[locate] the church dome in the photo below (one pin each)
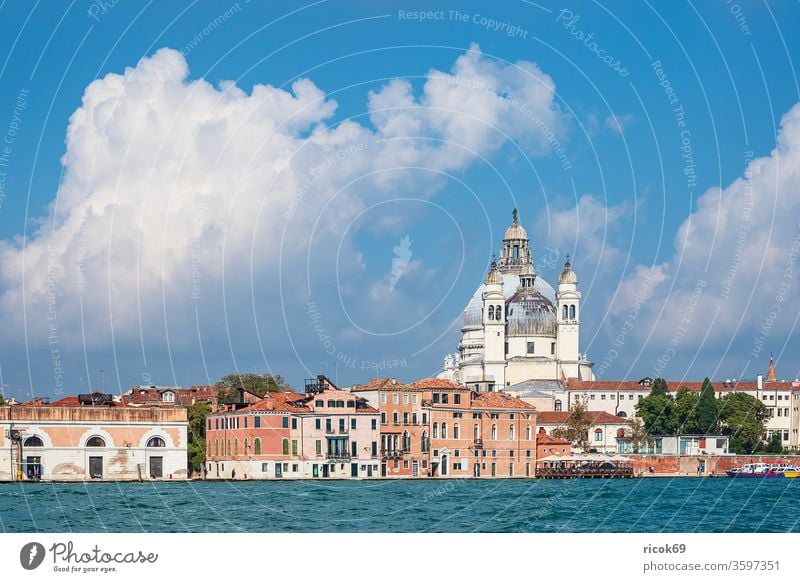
(511, 284)
(515, 232)
(529, 312)
(567, 276)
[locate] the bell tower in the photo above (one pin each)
(568, 298)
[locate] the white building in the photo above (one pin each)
(517, 327)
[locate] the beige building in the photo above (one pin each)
(91, 437)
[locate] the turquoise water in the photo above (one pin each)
(637, 505)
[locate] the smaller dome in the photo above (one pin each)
(567, 276)
(493, 277)
(515, 231)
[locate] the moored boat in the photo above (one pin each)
(758, 470)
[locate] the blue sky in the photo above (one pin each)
(647, 206)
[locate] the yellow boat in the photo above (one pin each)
(792, 474)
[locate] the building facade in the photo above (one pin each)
(516, 326)
(90, 437)
(322, 433)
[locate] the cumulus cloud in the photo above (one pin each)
(180, 195)
(733, 278)
(618, 123)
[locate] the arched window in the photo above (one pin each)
(257, 446)
(494, 432)
(216, 447)
(228, 448)
(285, 446)
(235, 446)
(246, 445)
(476, 432)
(498, 313)
(491, 312)
(95, 441)
(557, 406)
(527, 432)
(622, 413)
(406, 441)
(511, 432)
(456, 431)
(444, 430)
(598, 434)
(564, 312)
(33, 441)
(572, 312)
(426, 443)
(436, 430)
(156, 442)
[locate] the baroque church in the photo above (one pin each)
(517, 327)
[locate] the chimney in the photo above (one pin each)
(760, 381)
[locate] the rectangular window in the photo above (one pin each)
(354, 449)
(353, 423)
(383, 418)
(295, 468)
(413, 398)
(319, 403)
(436, 398)
(592, 396)
(328, 425)
(245, 422)
(294, 447)
(285, 422)
(405, 418)
(374, 423)
(445, 398)
(341, 425)
(374, 450)
(294, 423)
(395, 418)
(552, 348)
(257, 422)
(405, 464)
(318, 448)
(383, 397)
(413, 418)
(424, 418)
(405, 398)
(264, 467)
(602, 397)
(531, 347)
(527, 453)
(457, 398)
(318, 424)
(395, 398)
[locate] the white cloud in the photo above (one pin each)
(619, 123)
(734, 273)
(174, 189)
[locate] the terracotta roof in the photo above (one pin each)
(72, 401)
(282, 402)
(436, 383)
(596, 416)
(546, 439)
(377, 384)
(498, 400)
(674, 386)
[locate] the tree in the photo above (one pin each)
(774, 445)
(743, 418)
(639, 437)
(576, 427)
(2, 400)
(657, 412)
(196, 449)
(659, 387)
(686, 411)
(707, 410)
(258, 384)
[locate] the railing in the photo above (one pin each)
(478, 443)
(338, 455)
(394, 453)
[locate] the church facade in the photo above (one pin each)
(517, 327)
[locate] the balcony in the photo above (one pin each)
(394, 453)
(478, 443)
(338, 455)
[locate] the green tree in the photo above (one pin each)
(707, 410)
(2, 400)
(576, 428)
(196, 448)
(258, 384)
(774, 446)
(659, 387)
(686, 411)
(657, 412)
(743, 418)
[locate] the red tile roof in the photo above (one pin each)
(436, 384)
(498, 400)
(596, 416)
(546, 439)
(377, 384)
(72, 401)
(281, 401)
